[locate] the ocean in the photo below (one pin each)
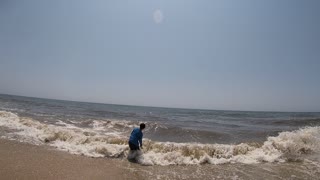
(178, 143)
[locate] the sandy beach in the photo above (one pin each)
(26, 161)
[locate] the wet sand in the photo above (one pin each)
(26, 161)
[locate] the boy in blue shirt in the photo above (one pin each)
(136, 137)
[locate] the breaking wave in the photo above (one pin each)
(109, 139)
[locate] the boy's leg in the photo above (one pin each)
(133, 146)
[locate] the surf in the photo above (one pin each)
(109, 139)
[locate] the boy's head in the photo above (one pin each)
(142, 126)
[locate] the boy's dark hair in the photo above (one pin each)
(142, 126)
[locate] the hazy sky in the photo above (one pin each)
(238, 55)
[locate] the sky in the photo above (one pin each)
(204, 54)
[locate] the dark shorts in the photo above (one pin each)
(133, 146)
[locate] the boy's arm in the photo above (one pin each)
(140, 140)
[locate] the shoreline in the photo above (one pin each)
(21, 160)
(26, 161)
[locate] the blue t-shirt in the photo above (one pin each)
(136, 137)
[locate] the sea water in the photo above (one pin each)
(199, 143)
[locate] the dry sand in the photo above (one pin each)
(26, 161)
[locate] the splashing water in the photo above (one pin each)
(105, 140)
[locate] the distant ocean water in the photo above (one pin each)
(172, 137)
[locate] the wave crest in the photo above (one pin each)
(93, 142)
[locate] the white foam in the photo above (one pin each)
(97, 142)
(74, 140)
(71, 126)
(111, 125)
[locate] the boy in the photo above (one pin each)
(136, 137)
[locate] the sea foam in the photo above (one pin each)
(105, 139)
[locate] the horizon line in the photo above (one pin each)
(182, 108)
